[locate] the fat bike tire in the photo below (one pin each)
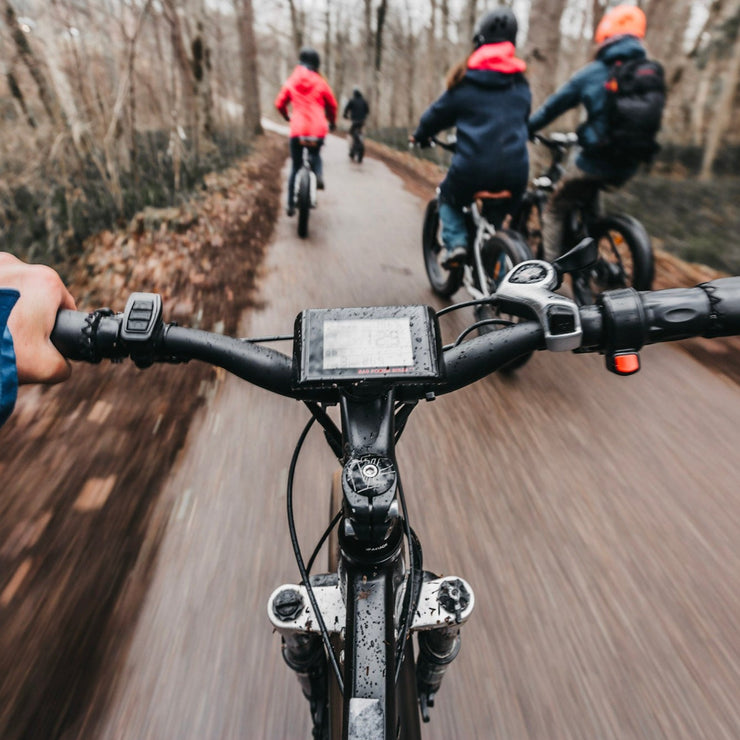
(499, 255)
(529, 225)
(445, 283)
(303, 203)
(625, 259)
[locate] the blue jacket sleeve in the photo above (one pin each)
(567, 97)
(440, 115)
(8, 375)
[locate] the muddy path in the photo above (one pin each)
(596, 517)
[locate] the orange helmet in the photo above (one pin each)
(619, 21)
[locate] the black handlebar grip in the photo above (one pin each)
(68, 334)
(724, 299)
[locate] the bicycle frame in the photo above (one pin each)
(581, 218)
(365, 600)
(475, 280)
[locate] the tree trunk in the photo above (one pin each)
(543, 47)
(195, 65)
(250, 79)
(297, 22)
(369, 45)
(34, 64)
(723, 112)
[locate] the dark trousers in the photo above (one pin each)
(296, 154)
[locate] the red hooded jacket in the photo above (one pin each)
(312, 100)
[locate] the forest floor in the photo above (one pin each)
(71, 533)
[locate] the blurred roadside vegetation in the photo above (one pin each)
(47, 213)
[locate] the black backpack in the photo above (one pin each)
(636, 95)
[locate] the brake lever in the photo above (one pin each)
(531, 284)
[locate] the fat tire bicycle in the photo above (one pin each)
(357, 143)
(348, 634)
(492, 254)
(625, 255)
(305, 185)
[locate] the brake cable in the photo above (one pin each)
(299, 558)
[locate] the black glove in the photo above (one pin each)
(332, 126)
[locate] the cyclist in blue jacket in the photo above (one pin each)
(488, 101)
(618, 36)
(30, 296)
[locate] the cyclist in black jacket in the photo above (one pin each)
(357, 109)
(488, 101)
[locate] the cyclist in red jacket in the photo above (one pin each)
(314, 111)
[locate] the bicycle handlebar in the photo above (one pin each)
(624, 320)
(557, 140)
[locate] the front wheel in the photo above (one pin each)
(529, 224)
(625, 259)
(303, 201)
(444, 282)
(499, 254)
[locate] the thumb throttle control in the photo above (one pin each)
(142, 319)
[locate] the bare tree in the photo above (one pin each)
(34, 63)
(250, 72)
(723, 111)
(298, 24)
(543, 46)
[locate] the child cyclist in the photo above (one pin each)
(488, 102)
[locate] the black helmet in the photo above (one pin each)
(496, 26)
(309, 57)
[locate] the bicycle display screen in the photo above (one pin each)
(362, 344)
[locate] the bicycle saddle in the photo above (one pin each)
(488, 195)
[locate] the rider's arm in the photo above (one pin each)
(281, 102)
(568, 96)
(30, 297)
(8, 374)
(440, 115)
(330, 105)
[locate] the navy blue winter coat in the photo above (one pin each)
(489, 109)
(587, 87)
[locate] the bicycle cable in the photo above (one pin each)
(466, 304)
(299, 558)
(411, 597)
(327, 532)
(473, 327)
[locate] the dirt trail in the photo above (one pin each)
(596, 517)
(600, 614)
